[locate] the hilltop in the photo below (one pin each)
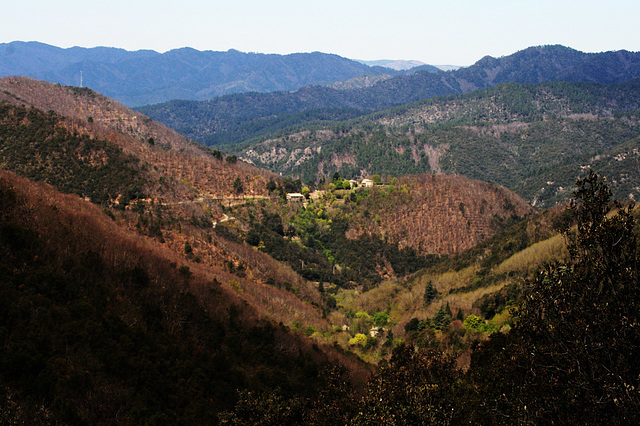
(432, 214)
(166, 159)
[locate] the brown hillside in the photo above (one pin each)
(170, 154)
(91, 230)
(102, 319)
(181, 178)
(440, 214)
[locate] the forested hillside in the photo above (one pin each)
(99, 326)
(233, 120)
(176, 284)
(155, 313)
(277, 254)
(74, 163)
(568, 356)
(533, 139)
(172, 166)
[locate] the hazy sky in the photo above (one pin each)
(440, 32)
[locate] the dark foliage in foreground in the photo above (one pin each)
(97, 328)
(573, 356)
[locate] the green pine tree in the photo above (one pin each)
(430, 293)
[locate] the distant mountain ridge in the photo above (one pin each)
(231, 120)
(551, 63)
(146, 77)
(398, 64)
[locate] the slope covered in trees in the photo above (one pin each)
(99, 326)
(569, 356)
(279, 257)
(34, 144)
(169, 188)
(185, 292)
(533, 139)
(171, 165)
(234, 119)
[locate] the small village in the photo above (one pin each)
(306, 194)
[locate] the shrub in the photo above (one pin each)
(474, 322)
(359, 339)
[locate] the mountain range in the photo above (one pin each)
(145, 278)
(531, 121)
(145, 76)
(237, 118)
(535, 139)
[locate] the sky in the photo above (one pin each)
(444, 32)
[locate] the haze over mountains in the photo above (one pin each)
(399, 64)
(145, 76)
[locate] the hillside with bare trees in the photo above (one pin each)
(193, 170)
(441, 214)
(100, 324)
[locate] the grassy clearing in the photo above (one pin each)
(448, 281)
(533, 257)
(376, 300)
(465, 301)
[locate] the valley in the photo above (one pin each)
(349, 255)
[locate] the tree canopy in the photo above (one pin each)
(572, 356)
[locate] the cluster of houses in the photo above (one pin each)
(364, 183)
